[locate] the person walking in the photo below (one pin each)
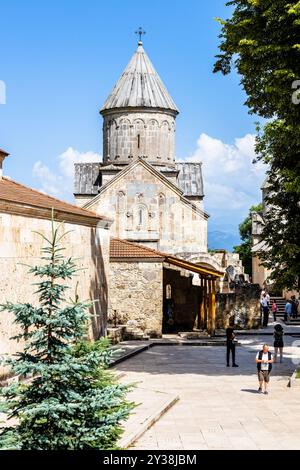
(274, 309)
(294, 304)
(278, 341)
(230, 346)
(265, 309)
(264, 360)
(287, 311)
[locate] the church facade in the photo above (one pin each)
(154, 200)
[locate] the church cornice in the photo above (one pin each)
(133, 109)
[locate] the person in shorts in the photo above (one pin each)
(264, 360)
(278, 341)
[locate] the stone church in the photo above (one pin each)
(154, 200)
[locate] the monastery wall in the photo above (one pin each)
(20, 246)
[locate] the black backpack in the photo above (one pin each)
(278, 334)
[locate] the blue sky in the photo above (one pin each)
(59, 61)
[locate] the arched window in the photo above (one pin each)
(141, 218)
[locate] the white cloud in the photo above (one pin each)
(60, 183)
(231, 181)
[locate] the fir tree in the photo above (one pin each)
(69, 401)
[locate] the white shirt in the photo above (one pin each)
(264, 302)
(265, 357)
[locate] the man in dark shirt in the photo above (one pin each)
(295, 304)
(230, 345)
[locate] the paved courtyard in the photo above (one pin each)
(219, 407)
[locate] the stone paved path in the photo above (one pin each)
(219, 407)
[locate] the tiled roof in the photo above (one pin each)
(139, 86)
(190, 179)
(124, 249)
(11, 191)
(88, 177)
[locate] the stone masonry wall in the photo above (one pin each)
(243, 305)
(19, 244)
(135, 291)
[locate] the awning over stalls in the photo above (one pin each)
(195, 268)
(125, 251)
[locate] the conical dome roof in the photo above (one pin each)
(139, 86)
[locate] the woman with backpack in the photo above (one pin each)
(278, 341)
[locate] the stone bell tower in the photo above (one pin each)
(139, 116)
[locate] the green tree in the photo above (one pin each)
(244, 249)
(70, 401)
(261, 40)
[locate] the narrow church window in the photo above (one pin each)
(141, 217)
(139, 141)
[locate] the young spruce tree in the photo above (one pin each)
(70, 402)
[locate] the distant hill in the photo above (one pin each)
(222, 240)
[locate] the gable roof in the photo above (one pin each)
(139, 87)
(127, 169)
(189, 177)
(156, 173)
(123, 250)
(29, 201)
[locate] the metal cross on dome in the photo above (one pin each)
(140, 32)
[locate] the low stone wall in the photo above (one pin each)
(243, 305)
(135, 292)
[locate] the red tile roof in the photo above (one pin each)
(124, 249)
(13, 192)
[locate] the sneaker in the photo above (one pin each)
(266, 393)
(234, 365)
(259, 390)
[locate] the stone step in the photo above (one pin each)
(292, 323)
(193, 335)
